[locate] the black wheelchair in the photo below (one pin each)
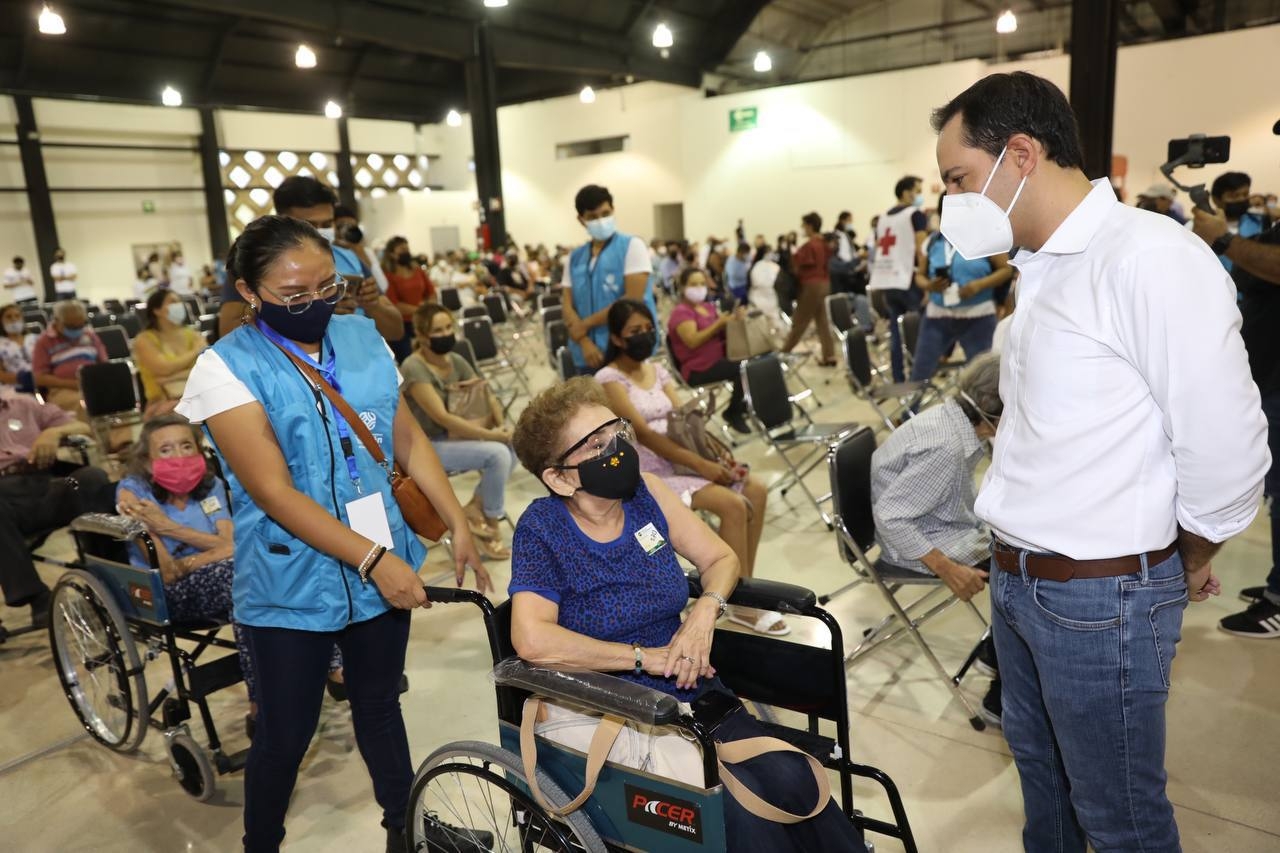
(108, 619)
(483, 786)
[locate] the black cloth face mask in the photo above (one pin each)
(639, 347)
(615, 475)
(307, 327)
(442, 344)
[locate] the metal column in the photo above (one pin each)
(346, 174)
(1094, 28)
(38, 198)
(482, 102)
(215, 209)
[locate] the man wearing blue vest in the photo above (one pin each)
(607, 268)
(1230, 194)
(303, 197)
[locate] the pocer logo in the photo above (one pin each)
(659, 811)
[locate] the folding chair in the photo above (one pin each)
(557, 338)
(774, 410)
(194, 308)
(489, 352)
(111, 400)
(865, 381)
(547, 300)
(554, 314)
(33, 314)
(909, 334)
(565, 367)
(702, 391)
(506, 396)
(475, 311)
(100, 319)
(509, 323)
(113, 306)
(33, 327)
(116, 342)
(450, 299)
(840, 314)
(131, 323)
(849, 465)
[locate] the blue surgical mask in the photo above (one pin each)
(73, 334)
(918, 201)
(601, 229)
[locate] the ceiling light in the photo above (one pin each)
(453, 119)
(51, 23)
(762, 63)
(305, 57)
(587, 95)
(494, 4)
(1007, 22)
(662, 36)
(332, 110)
(171, 97)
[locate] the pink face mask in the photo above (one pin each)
(179, 474)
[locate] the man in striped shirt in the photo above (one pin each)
(67, 345)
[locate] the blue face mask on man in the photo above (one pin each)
(601, 229)
(72, 334)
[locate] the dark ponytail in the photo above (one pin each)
(262, 243)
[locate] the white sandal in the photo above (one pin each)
(768, 623)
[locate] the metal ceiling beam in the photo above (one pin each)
(219, 49)
(1174, 14)
(730, 27)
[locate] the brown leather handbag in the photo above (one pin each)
(418, 511)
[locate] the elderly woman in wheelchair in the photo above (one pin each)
(596, 586)
(183, 504)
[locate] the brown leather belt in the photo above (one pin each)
(1055, 567)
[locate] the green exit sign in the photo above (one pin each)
(743, 118)
(148, 206)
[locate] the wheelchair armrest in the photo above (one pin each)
(118, 527)
(763, 594)
(596, 690)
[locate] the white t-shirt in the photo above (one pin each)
(213, 389)
(64, 277)
(180, 279)
(18, 284)
(637, 261)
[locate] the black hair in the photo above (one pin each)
(341, 211)
(140, 458)
(904, 183)
(1000, 105)
(744, 247)
(813, 220)
(262, 243)
(154, 301)
(301, 191)
(18, 259)
(685, 274)
(622, 311)
(590, 197)
(1229, 182)
(843, 214)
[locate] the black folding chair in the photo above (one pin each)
(564, 364)
(554, 314)
(113, 306)
(491, 355)
(131, 323)
(450, 299)
(506, 395)
(849, 465)
(557, 337)
(101, 320)
(840, 313)
(475, 311)
(787, 427)
(891, 400)
(109, 390)
(116, 342)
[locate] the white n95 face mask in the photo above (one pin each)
(975, 224)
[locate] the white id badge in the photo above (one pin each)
(210, 505)
(951, 296)
(650, 539)
(368, 517)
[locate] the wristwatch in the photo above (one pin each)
(1221, 245)
(719, 600)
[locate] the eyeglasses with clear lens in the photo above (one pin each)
(328, 293)
(601, 441)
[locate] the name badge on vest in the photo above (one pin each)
(210, 505)
(650, 539)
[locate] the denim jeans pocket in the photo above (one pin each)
(1166, 630)
(1079, 605)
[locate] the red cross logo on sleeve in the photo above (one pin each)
(887, 242)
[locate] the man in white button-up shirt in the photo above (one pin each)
(1132, 445)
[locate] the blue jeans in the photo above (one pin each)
(1085, 666)
(939, 334)
(899, 302)
(495, 462)
(1271, 408)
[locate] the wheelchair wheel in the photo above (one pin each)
(470, 785)
(190, 764)
(97, 662)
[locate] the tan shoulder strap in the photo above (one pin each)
(735, 752)
(601, 743)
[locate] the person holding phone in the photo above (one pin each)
(962, 305)
(323, 554)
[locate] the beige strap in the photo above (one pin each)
(738, 751)
(601, 743)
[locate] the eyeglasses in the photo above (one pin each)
(329, 293)
(601, 441)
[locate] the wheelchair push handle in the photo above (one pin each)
(452, 595)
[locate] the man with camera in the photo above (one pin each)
(1255, 268)
(1112, 482)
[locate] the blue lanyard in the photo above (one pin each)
(328, 368)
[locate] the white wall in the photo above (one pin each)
(412, 216)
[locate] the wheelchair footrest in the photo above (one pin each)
(819, 746)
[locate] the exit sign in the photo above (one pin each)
(743, 118)
(148, 206)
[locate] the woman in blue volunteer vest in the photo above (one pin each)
(323, 554)
(603, 270)
(962, 306)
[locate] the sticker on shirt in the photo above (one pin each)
(650, 539)
(211, 504)
(368, 517)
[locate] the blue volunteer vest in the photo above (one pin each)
(963, 271)
(280, 581)
(1250, 225)
(600, 286)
